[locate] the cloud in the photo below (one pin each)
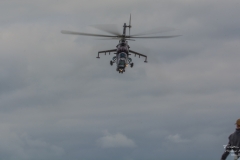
(56, 91)
(176, 139)
(115, 141)
(22, 146)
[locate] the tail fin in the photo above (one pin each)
(129, 25)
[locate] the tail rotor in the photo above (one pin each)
(129, 26)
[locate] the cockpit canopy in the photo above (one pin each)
(123, 55)
(122, 60)
(123, 44)
(121, 64)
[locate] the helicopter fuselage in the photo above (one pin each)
(122, 51)
(122, 57)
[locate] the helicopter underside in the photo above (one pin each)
(121, 70)
(122, 61)
(121, 67)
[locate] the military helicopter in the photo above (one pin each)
(122, 51)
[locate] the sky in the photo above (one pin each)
(58, 101)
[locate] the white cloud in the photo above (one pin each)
(176, 138)
(22, 146)
(115, 140)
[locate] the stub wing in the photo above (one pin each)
(139, 54)
(107, 51)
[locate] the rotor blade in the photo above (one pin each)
(154, 31)
(130, 39)
(108, 38)
(114, 39)
(129, 24)
(130, 21)
(155, 36)
(109, 28)
(87, 34)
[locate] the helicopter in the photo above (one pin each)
(122, 51)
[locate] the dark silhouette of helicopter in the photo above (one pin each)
(122, 50)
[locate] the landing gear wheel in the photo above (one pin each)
(111, 63)
(131, 65)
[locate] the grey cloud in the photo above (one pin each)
(56, 98)
(24, 147)
(176, 138)
(115, 141)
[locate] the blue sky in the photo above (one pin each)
(58, 101)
